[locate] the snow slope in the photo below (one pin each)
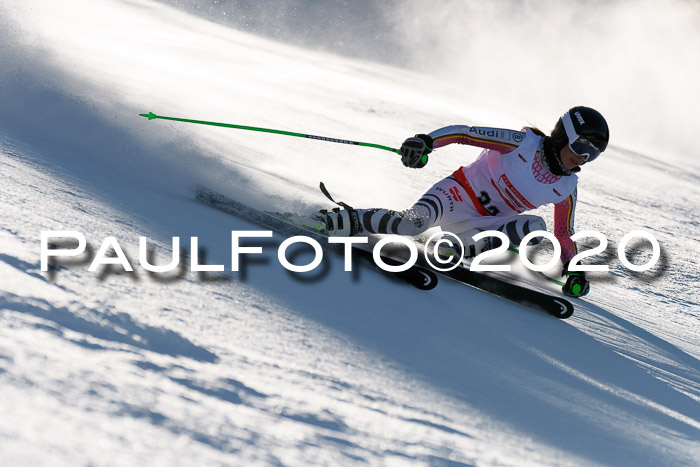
(264, 366)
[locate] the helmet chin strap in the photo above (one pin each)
(553, 160)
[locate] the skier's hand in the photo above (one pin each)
(414, 151)
(576, 283)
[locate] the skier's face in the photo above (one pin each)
(569, 159)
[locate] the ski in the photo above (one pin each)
(421, 278)
(422, 275)
(556, 306)
(499, 286)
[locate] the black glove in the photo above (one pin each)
(414, 151)
(576, 283)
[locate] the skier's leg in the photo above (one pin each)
(348, 222)
(386, 221)
(444, 202)
(515, 227)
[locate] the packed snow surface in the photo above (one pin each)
(264, 366)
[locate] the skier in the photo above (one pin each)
(517, 171)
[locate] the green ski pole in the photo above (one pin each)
(152, 116)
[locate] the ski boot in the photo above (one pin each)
(342, 222)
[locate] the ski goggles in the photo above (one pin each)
(578, 144)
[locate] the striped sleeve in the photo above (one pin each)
(564, 227)
(498, 139)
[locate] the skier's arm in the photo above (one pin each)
(576, 283)
(564, 227)
(497, 139)
(414, 151)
